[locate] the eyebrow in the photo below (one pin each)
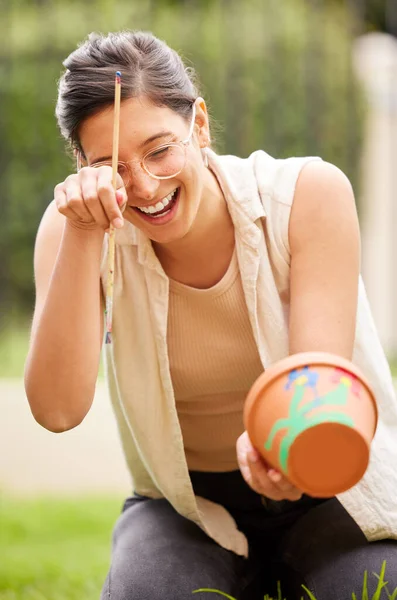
(152, 138)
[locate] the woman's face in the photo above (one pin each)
(143, 127)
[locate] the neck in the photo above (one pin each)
(212, 231)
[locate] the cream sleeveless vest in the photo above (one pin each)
(260, 195)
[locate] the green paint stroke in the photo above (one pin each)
(299, 417)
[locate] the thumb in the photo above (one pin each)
(121, 197)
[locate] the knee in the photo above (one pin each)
(368, 572)
(154, 582)
(380, 562)
(159, 554)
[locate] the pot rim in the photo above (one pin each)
(300, 360)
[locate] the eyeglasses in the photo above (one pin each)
(163, 162)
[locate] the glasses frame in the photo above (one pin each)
(126, 164)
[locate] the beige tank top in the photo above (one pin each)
(213, 361)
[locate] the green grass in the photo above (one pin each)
(382, 591)
(59, 549)
(54, 549)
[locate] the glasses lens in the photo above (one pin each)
(121, 169)
(124, 173)
(165, 161)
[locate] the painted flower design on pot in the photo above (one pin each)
(302, 415)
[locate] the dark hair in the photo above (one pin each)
(148, 66)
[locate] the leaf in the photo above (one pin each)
(392, 596)
(279, 594)
(308, 592)
(381, 582)
(365, 586)
(214, 592)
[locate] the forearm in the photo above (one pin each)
(63, 360)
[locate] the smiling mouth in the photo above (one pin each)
(161, 208)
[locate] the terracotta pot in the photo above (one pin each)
(313, 416)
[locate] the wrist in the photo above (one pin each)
(82, 238)
(85, 231)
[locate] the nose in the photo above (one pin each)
(142, 186)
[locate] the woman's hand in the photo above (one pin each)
(88, 199)
(262, 478)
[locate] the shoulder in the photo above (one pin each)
(51, 227)
(324, 180)
(276, 178)
(322, 189)
(324, 206)
(273, 178)
(307, 182)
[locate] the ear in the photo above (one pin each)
(202, 123)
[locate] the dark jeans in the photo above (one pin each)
(160, 555)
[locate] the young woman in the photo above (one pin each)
(223, 266)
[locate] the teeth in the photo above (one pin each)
(150, 210)
(162, 214)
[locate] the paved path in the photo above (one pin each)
(35, 461)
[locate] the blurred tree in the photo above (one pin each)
(277, 76)
(375, 15)
(381, 15)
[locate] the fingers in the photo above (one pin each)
(74, 199)
(107, 197)
(89, 198)
(90, 195)
(270, 482)
(260, 476)
(62, 204)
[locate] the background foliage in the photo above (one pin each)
(277, 76)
